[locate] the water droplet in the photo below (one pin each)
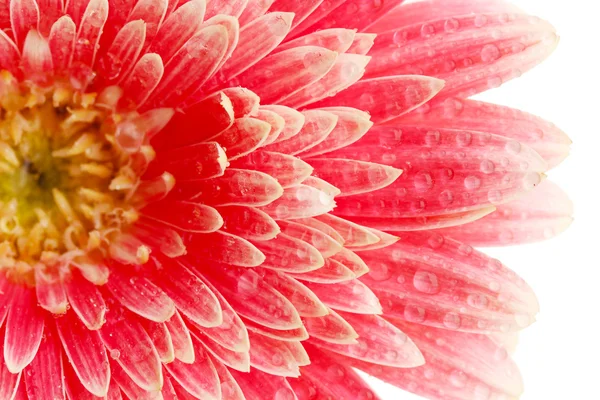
(423, 181)
(458, 379)
(472, 183)
(531, 180)
(426, 282)
(478, 301)
(464, 139)
(487, 167)
(513, 147)
(452, 321)
(427, 30)
(432, 138)
(446, 198)
(490, 53)
(451, 25)
(414, 313)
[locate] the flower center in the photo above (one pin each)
(66, 182)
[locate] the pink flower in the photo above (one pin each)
(229, 199)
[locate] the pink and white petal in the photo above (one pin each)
(347, 70)
(129, 387)
(287, 335)
(301, 10)
(318, 13)
(323, 186)
(86, 301)
(260, 385)
(191, 66)
(413, 283)
(248, 223)
(185, 216)
(332, 272)
(257, 40)
(544, 137)
(24, 330)
(139, 295)
(230, 390)
(353, 296)
(227, 7)
(152, 12)
(195, 162)
(51, 10)
(86, 354)
(324, 243)
(299, 202)
(131, 347)
(288, 170)
(272, 356)
(9, 53)
(335, 39)
(352, 234)
(24, 16)
(88, 35)
(254, 9)
(224, 248)
(304, 301)
(351, 125)
(354, 177)
(283, 74)
(363, 43)
(538, 215)
(245, 102)
(403, 93)
(456, 171)
(275, 120)
(352, 261)
(181, 339)
(237, 187)
(318, 125)
(328, 377)
(378, 342)
(189, 293)
(243, 137)
(44, 376)
(232, 333)
(385, 240)
(36, 59)
(120, 58)
(240, 361)
(293, 120)
(253, 298)
(288, 254)
(161, 339)
(331, 328)
(9, 382)
(324, 227)
(142, 81)
(178, 28)
(50, 292)
(73, 387)
(200, 379)
(158, 237)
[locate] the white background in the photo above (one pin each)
(559, 355)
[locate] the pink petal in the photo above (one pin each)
(539, 215)
(230, 390)
(152, 12)
(301, 10)
(379, 342)
(44, 376)
(351, 234)
(177, 29)
(223, 248)
(199, 161)
(335, 39)
(299, 202)
(249, 223)
(130, 346)
(161, 339)
(50, 292)
(332, 272)
(304, 301)
(9, 382)
(271, 356)
(181, 339)
(413, 282)
(186, 216)
(403, 93)
(120, 58)
(288, 170)
(189, 293)
(327, 377)
(24, 16)
(245, 136)
(86, 355)
(86, 301)
(144, 78)
(238, 360)
(260, 385)
(542, 136)
(139, 295)
(285, 253)
(130, 387)
(352, 296)
(324, 243)
(253, 298)
(293, 120)
(257, 39)
(24, 329)
(88, 35)
(254, 9)
(200, 379)
(9, 53)
(229, 7)
(36, 59)
(317, 127)
(282, 74)
(331, 328)
(287, 335)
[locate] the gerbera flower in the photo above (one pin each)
(229, 199)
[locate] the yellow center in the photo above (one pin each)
(65, 183)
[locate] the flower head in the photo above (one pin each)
(229, 199)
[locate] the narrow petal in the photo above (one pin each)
(286, 253)
(181, 339)
(353, 296)
(225, 248)
(288, 170)
(248, 223)
(24, 329)
(259, 385)
(44, 376)
(331, 328)
(300, 202)
(86, 300)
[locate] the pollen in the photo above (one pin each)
(67, 180)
